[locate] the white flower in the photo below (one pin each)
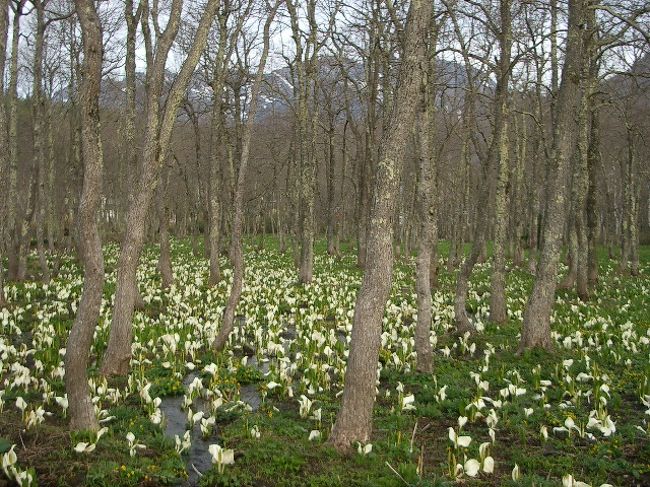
(462, 441)
(62, 401)
(516, 473)
(83, 447)
(364, 449)
(314, 435)
(305, 406)
(488, 465)
(9, 459)
(569, 481)
(221, 456)
(21, 404)
(569, 423)
(543, 430)
(407, 402)
(133, 444)
(472, 467)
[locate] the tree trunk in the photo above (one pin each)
(354, 420)
(236, 251)
(165, 258)
(426, 207)
(536, 330)
(4, 156)
(82, 409)
(331, 160)
(592, 210)
(216, 139)
(426, 212)
(157, 138)
(130, 160)
(38, 135)
(632, 202)
(498, 307)
(14, 222)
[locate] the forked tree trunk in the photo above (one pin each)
(157, 137)
(354, 420)
(536, 330)
(305, 68)
(236, 251)
(82, 409)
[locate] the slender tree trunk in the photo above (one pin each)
(536, 330)
(82, 409)
(158, 135)
(632, 203)
(165, 258)
(498, 307)
(216, 139)
(236, 251)
(4, 141)
(592, 210)
(5, 228)
(331, 160)
(426, 215)
(14, 222)
(129, 162)
(38, 115)
(354, 420)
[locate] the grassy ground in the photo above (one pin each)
(607, 340)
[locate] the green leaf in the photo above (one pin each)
(5, 445)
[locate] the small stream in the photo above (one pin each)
(197, 457)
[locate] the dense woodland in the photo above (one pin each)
(505, 139)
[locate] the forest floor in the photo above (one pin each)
(581, 410)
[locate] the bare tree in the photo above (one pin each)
(82, 409)
(536, 330)
(426, 202)
(158, 130)
(4, 136)
(236, 251)
(354, 420)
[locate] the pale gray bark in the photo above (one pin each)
(354, 420)
(536, 331)
(38, 119)
(236, 250)
(158, 131)
(81, 407)
(14, 222)
(426, 207)
(4, 136)
(500, 150)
